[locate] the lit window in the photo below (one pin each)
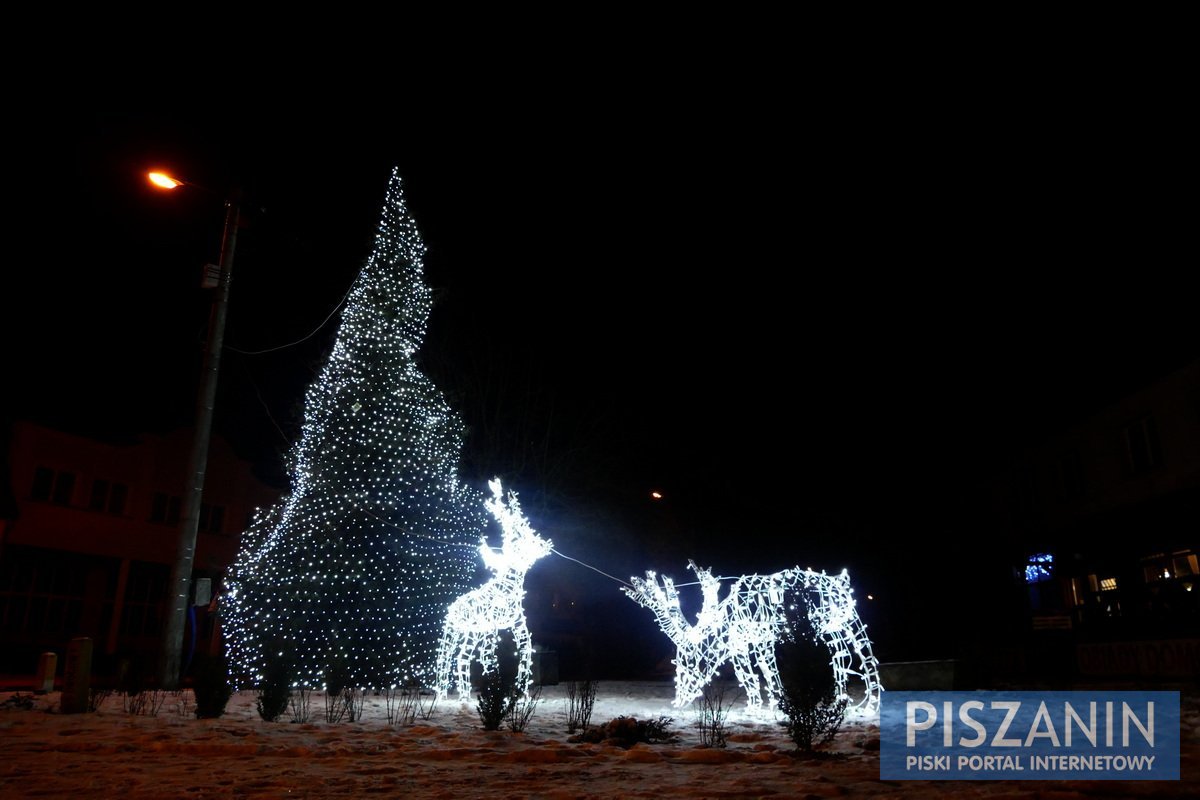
(1164, 567)
(1108, 584)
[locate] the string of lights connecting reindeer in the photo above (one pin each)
(742, 628)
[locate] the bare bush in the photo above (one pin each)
(405, 705)
(146, 702)
(300, 704)
(581, 699)
(180, 701)
(399, 706)
(335, 708)
(521, 708)
(353, 701)
(712, 709)
(426, 706)
(96, 698)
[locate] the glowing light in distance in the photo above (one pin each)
(163, 180)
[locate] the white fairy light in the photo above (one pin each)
(744, 627)
(475, 620)
(355, 568)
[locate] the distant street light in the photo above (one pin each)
(179, 587)
(163, 181)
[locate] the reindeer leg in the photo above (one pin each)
(764, 653)
(466, 648)
(869, 666)
(744, 671)
(524, 644)
(836, 642)
(825, 615)
(445, 661)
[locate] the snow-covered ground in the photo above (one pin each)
(173, 755)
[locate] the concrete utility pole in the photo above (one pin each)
(179, 587)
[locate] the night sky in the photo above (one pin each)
(814, 330)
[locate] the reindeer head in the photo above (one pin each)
(700, 649)
(520, 545)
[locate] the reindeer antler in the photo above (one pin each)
(518, 538)
(662, 600)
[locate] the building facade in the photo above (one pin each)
(87, 548)
(1103, 520)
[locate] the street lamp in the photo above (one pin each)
(179, 587)
(163, 181)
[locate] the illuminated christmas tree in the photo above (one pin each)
(349, 577)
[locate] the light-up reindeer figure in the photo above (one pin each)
(744, 627)
(474, 621)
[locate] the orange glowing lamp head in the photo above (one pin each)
(163, 181)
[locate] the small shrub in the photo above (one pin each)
(274, 690)
(521, 708)
(147, 702)
(628, 731)
(581, 699)
(426, 705)
(210, 684)
(711, 711)
(353, 702)
(300, 704)
(336, 681)
(155, 700)
(181, 702)
(335, 709)
(133, 703)
(18, 700)
(405, 705)
(496, 696)
(400, 706)
(96, 698)
(814, 713)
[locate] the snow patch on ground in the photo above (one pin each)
(113, 754)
